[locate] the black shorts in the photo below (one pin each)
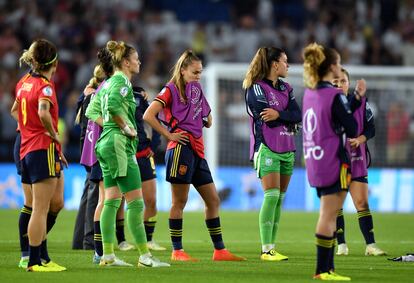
(341, 185)
(184, 166)
(96, 173)
(16, 154)
(146, 168)
(41, 164)
(361, 179)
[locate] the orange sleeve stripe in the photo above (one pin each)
(48, 99)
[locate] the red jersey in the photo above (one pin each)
(165, 97)
(29, 91)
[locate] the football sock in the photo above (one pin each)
(214, 228)
(150, 227)
(120, 233)
(176, 233)
(323, 252)
(24, 219)
(97, 237)
(340, 227)
(34, 257)
(278, 212)
(267, 215)
(135, 223)
(366, 225)
(107, 223)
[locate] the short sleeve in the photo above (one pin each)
(164, 97)
(47, 93)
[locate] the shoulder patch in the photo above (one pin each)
(124, 91)
(343, 98)
(163, 90)
(47, 91)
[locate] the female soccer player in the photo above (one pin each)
(56, 204)
(115, 151)
(94, 128)
(274, 113)
(146, 164)
(326, 116)
(359, 155)
(40, 151)
(182, 106)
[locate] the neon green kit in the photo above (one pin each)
(115, 150)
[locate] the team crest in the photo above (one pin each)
(124, 91)
(182, 170)
(57, 167)
(47, 91)
(268, 161)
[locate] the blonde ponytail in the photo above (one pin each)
(258, 68)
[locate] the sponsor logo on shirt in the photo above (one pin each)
(26, 87)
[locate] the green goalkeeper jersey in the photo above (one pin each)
(116, 98)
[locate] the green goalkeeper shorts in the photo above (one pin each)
(119, 166)
(266, 161)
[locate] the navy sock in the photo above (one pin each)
(331, 264)
(214, 228)
(176, 233)
(97, 237)
(34, 257)
(366, 225)
(120, 234)
(24, 219)
(43, 251)
(340, 227)
(50, 221)
(323, 251)
(149, 229)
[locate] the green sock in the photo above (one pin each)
(278, 211)
(135, 223)
(267, 215)
(107, 224)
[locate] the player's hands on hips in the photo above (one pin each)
(150, 154)
(356, 142)
(180, 137)
(130, 132)
(269, 114)
(55, 137)
(63, 159)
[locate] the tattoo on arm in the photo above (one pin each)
(43, 106)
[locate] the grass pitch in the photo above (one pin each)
(394, 233)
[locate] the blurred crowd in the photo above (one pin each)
(365, 32)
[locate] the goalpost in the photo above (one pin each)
(227, 140)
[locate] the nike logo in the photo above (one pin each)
(146, 265)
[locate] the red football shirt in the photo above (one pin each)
(165, 97)
(29, 91)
